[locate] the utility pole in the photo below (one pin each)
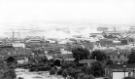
(13, 36)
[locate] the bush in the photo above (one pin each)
(6, 71)
(129, 78)
(131, 57)
(59, 72)
(88, 77)
(86, 69)
(71, 71)
(80, 75)
(80, 53)
(53, 71)
(85, 76)
(10, 74)
(64, 73)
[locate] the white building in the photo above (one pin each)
(18, 45)
(63, 51)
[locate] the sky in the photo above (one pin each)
(39, 13)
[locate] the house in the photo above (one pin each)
(49, 57)
(106, 42)
(23, 61)
(117, 55)
(119, 58)
(87, 61)
(63, 51)
(124, 41)
(67, 57)
(127, 40)
(34, 42)
(64, 58)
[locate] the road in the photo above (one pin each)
(24, 73)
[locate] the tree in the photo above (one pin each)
(10, 60)
(7, 69)
(80, 53)
(131, 57)
(109, 62)
(98, 55)
(97, 69)
(86, 69)
(57, 63)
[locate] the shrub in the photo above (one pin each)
(53, 71)
(64, 73)
(59, 72)
(129, 78)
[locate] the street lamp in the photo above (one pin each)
(124, 66)
(133, 72)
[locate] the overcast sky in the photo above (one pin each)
(19, 12)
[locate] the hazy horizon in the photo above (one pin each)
(53, 14)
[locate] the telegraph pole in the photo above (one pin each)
(13, 36)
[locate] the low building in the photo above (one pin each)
(23, 61)
(63, 51)
(18, 45)
(120, 71)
